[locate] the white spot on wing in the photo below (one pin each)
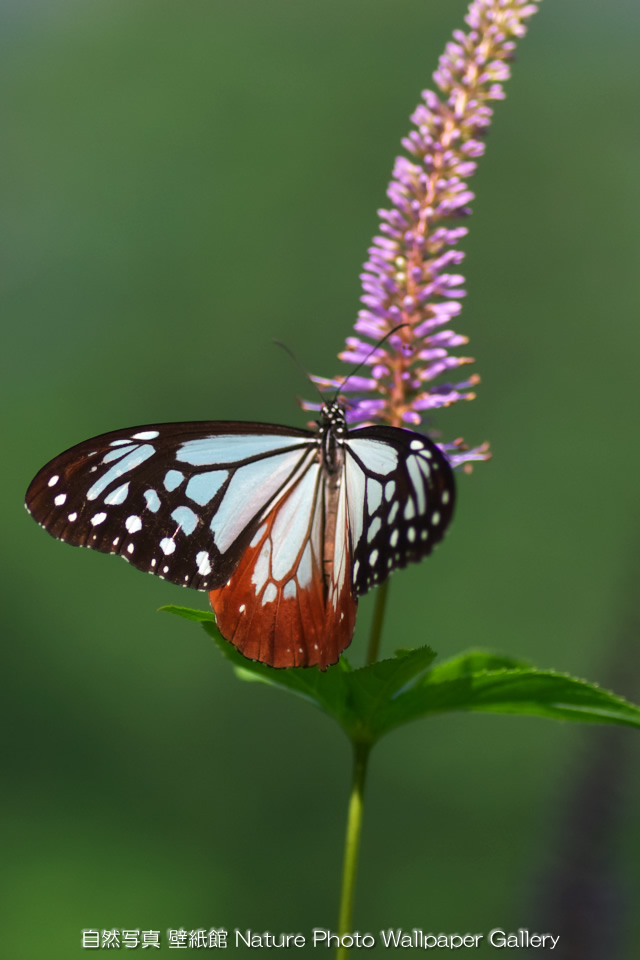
(393, 539)
(167, 545)
(98, 518)
(416, 444)
(204, 563)
(60, 499)
(133, 523)
(53, 480)
(147, 435)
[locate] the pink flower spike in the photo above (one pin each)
(405, 279)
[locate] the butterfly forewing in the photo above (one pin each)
(179, 500)
(401, 497)
(283, 527)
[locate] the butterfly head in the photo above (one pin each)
(332, 419)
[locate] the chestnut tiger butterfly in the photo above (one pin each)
(284, 527)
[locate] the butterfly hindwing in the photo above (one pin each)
(290, 601)
(179, 500)
(401, 498)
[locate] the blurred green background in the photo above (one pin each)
(183, 182)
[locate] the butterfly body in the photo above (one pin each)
(284, 527)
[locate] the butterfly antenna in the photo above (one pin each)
(290, 353)
(369, 355)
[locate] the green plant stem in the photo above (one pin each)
(352, 842)
(378, 620)
(356, 801)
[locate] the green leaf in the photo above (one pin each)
(200, 616)
(371, 701)
(352, 697)
(379, 684)
(486, 682)
(327, 690)
(478, 661)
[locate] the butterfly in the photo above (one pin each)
(284, 527)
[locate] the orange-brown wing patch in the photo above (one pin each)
(280, 606)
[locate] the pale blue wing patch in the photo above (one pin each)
(377, 456)
(250, 489)
(172, 480)
(291, 526)
(117, 496)
(356, 499)
(153, 500)
(186, 519)
(203, 487)
(128, 459)
(229, 448)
